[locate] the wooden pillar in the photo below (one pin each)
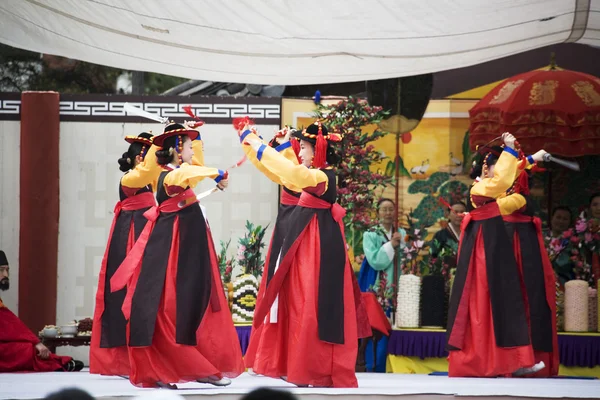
(39, 208)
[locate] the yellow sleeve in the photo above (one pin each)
(504, 175)
(145, 173)
(188, 175)
(511, 203)
(528, 165)
(251, 155)
(288, 152)
(198, 147)
(312, 180)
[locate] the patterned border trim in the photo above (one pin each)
(100, 108)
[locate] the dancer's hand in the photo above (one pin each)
(254, 142)
(223, 183)
(283, 136)
(539, 155)
(194, 125)
(509, 140)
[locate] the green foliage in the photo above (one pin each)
(453, 191)
(357, 184)
(419, 186)
(22, 70)
(249, 249)
(430, 185)
(428, 211)
(390, 169)
(466, 149)
(225, 263)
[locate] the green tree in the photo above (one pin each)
(357, 183)
(25, 70)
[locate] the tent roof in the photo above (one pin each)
(294, 42)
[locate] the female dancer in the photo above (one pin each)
(537, 275)
(179, 325)
(311, 338)
(488, 333)
(108, 354)
(288, 201)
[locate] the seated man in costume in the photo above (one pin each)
(20, 349)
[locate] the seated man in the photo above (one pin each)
(20, 349)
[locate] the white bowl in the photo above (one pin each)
(50, 332)
(68, 330)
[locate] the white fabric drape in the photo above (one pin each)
(293, 42)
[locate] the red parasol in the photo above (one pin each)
(557, 110)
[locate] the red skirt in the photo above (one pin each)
(550, 358)
(477, 353)
(288, 203)
(217, 351)
(291, 346)
(114, 360)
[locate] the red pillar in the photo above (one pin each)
(39, 207)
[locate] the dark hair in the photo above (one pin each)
(70, 394)
(383, 200)
(477, 169)
(268, 394)
(134, 150)
(459, 203)
(592, 197)
(332, 157)
(164, 156)
(563, 208)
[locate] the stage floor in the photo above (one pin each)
(38, 385)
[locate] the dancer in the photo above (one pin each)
(290, 195)
(311, 337)
(488, 333)
(108, 352)
(179, 324)
(537, 275)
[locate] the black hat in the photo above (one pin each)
(319, 136)
(174, 129)
(311, 132)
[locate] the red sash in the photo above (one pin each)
(136, 202)
(487, 211)
(518, 217)
(309, 201)
(122, 277)
(287, 199)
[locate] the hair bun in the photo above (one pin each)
(125, 162)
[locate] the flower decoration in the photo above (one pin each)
(225, 263)
(249, 249)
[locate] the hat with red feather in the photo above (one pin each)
(318, 135)
(174, 129)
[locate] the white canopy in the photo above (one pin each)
(294, 42)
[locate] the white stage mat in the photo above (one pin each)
(423, 387)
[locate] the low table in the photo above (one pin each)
(53, 343)
(423, 351)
